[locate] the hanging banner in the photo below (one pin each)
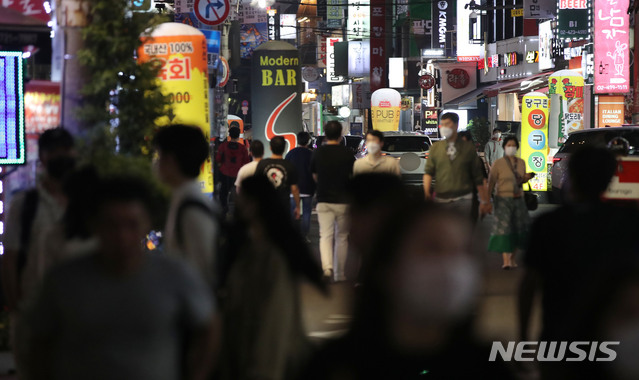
(276, 93)
(358, 21)
(534, 138)
(386, 105)
(378, 75)
(612, 41)
(182, 51)
(570, 86)
(611, 111)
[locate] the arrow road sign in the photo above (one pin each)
(211, 12)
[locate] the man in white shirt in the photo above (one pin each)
(257, 152)
(375, 162)
(192, 227)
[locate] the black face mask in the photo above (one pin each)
(59, 167)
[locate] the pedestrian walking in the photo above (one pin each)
(512, 221)
(301, 158)
(494, 150)
(231, 156)
(30, 215)
(256, 150)
(332, 168)
(192, 227)
(264, 337)
(576, 254)
(457, 170)
(120, 313)
(282, 174)
(375, 161)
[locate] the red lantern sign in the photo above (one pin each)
(426, 82)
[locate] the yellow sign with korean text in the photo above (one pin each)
(182, 52)
(534, 138)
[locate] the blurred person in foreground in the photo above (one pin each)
(120, 313)
(413, 316)
(457, 170)
(301, 158)
(263, 334)
(231, 156)
(30, 215)
(375, 161)
(332, 168)
(574, 254)
(256, 150)
(192, 229)
(512, 223)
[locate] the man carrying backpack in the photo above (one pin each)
(231, 156)
(30, 214)
(192, 228)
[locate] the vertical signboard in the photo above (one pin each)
(443, 24)
(275, 93)
(612, 53)
(273, 25)
(358, 22)
(378, 73)
(385, 109)
(569, 85)
(359, 58)
(574, 19)
(546, 37)
(42, 106)
(334, 14)
(430, 121)
(331, 77)
(12, 146)
(611, 111)
(466, 51)
(182, 51)
(534, 138)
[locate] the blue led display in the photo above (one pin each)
(12, 139)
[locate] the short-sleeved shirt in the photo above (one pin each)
(281, 173)
(301, 158)
(333, 165)
(102, 326)
(458, 176)
(48, 213)
(383, 164)
(246, 171)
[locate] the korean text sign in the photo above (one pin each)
(182, 52)
(534, 138)
(570, 85)
(612, 40)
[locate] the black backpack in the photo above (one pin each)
(223, 257)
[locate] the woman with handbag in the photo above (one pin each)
(506, 178)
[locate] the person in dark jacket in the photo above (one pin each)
(301, 158)
(231, 156)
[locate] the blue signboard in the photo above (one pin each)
(12, 148)
(213, 40)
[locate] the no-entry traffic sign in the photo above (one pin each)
(211, 12)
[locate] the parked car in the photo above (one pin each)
(410, 148)
(351, 142)
(597, 137)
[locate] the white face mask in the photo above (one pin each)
(446, 132)
(510, 151)
(441, 289)
(373, 147)
(496, 136)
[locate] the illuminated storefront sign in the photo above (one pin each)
(611, 111)
(532, 56)
(534, 137)
(358, 22)
(443, 24)
(546, 37)
(359, 58)
(12, 147)
(386, 108)
(182, 51)
(331, 77)
(466, 51)
(574, 19)
(510, 59)
(378, 45)
(570, 86)
(612, 40)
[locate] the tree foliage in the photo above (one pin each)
(480, 131)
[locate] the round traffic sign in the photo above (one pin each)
(244, 103)
(211, 12)
(226, 72)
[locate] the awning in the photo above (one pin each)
(467, 101)
(523, 85)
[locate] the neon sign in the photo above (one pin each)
(12, 149)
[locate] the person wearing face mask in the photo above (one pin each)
(30, 214)
(512, 220)
(413, 316)
(494, 149)
(457, 170)
(375, 162)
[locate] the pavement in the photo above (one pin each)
(328, 317)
